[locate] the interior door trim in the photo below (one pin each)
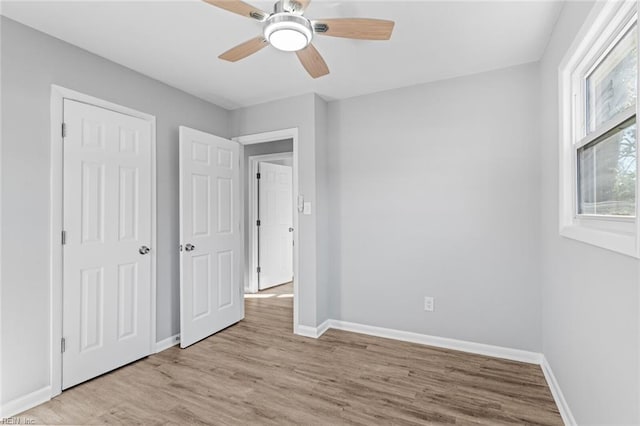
(58, 95)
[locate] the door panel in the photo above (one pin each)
(225, 278)
(107, 218)
(127, 295)
(225, 205)
(201, 202)
(92, 185)
(128, 204)
(92, 308)
(275, 239)
(210, 289)
(201, 283)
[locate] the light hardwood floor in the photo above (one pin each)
(258, 372)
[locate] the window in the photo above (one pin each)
(598, 165)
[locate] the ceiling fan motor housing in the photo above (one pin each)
(291, 6)
(288, 31)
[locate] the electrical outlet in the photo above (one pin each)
(428, 304)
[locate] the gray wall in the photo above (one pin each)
(274, 147)
(296, 112)
(434, 192)
(590, 295)
(31, 62)
(323, 209)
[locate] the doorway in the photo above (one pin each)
(255, 145)
(270, 225)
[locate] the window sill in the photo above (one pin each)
(620, 242)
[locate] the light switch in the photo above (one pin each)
(307, 208)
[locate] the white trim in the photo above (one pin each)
(276, 135)
(313, 332)
(167, 343)
(23, 403)
(322, 328)
(58, 94)
(563, 406)
(604, 21)
(1, 373)
(306, 331)
(440, 342)
(251, 286)
(424, 339)
(607, 128)
(270, 137)
(458, 345)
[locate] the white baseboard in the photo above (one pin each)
(313, 332)
(563, 407)
(23, 403)
(423, 339)
(323, 327)
(440, 342)
(306, 331)
(471, 347)
(167, 343)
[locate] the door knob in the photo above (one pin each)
(144, 250)
(189, 247)
(290, 229)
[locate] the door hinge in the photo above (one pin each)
(258, 176)
(258, 269)
(64, 130)
(63, 345)
(64, 237)
(258, 222)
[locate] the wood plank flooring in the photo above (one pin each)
(258, 372)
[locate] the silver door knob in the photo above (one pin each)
(290, 229)
(144, 250)
(189, 247)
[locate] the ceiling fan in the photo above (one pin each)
(288, 30)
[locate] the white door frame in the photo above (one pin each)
(58, 95)
(273, 136)
(254, 160)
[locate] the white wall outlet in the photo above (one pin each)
(428, 304)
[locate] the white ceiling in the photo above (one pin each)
(177, 42)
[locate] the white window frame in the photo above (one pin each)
(606, 24)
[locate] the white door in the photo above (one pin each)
(210, 288)
(107, 224)
(275, 233)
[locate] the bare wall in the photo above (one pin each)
(434, 191)
(31, 62)
(296, 112)
(589, 295)
(323, 209)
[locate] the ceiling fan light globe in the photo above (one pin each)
(288, 32)
(288, 40)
